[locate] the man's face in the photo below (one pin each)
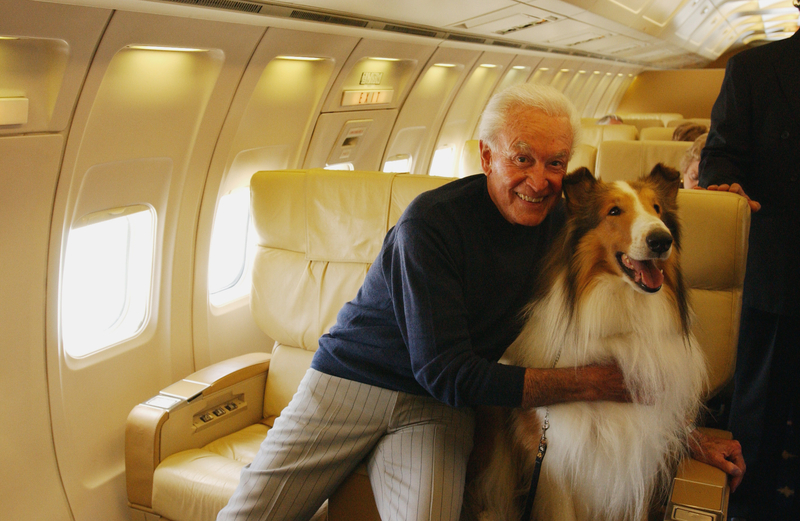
(524, 174)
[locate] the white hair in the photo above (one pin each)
(526, 95)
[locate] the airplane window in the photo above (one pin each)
(398, 164)
(232, 248)
(107, 279)
(442, 163)
(340, 166)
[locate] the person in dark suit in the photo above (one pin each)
(753, 148)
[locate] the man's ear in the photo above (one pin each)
(486, 157)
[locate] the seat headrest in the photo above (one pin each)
(629, 160)
(318, 233)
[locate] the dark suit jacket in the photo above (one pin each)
(755, 141)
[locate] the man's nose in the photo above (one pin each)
(537, 178)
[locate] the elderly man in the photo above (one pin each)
(394, 381)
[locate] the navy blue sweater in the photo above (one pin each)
(442, 301)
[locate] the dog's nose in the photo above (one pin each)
(659, 241)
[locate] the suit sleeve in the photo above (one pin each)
(729, 145)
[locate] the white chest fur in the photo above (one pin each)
(604, 460)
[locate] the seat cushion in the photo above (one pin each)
(195, 484)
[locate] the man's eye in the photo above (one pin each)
(522, 159)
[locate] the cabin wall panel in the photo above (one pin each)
(143, 132)
(31, 486)
(421, 116)
(688, 92)
(268, 127)
(48, 62)
(462, 118)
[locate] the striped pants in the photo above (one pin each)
(416, 450)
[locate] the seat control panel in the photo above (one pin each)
(219, 412)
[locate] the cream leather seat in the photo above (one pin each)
(663, 117)
(700, 121)
(583, 155)
(656, 134)
(627, 160)
(595, 134)
(318, 232)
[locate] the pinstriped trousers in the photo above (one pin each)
(416, 450)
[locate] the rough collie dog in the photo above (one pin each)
(611, 290)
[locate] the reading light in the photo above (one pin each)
(519, 67)
(544, 69)
(299, 58)
(488, 65)
(564, 70)
(444, 65)
(163, 48)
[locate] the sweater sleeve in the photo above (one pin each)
(424, 275)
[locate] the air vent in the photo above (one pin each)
(409, 30)
(461, 38)
(507, 44)
(328, 19)
(232, 5)
(534, 22)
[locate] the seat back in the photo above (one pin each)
(595, 134)
(628, 160)
(656, 134)
(663, 117)
(700, 121)
(318, 233)
(715, 231)
(583, 155)
(470, 162)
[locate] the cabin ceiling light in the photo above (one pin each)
(9, 38)
(519, 67)
(165, 48)
(488, 65)
(444, 65)
(386, 59)
(299, 58)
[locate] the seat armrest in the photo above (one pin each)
(699, 492)
(206, 405)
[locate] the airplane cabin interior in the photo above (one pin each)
(173, 180)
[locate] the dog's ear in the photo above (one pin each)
(577, 186)
(667, 179)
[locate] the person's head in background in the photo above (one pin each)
(688, 131)
(611, 119)
(690, 162)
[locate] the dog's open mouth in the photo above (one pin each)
(643, 273)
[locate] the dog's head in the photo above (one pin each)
(625, 228)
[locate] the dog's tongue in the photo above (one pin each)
(648, 273)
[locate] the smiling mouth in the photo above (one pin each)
(644, 273)
(530, 199)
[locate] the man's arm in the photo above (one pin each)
(588, 383)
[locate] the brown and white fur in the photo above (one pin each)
(611, 290)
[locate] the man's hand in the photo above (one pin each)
(719, 452)
(736, 189)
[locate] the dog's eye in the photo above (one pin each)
(657, 208)
(615, 211)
